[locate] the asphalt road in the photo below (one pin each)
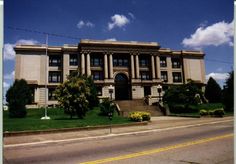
(206, 144)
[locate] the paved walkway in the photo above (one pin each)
(157, 123)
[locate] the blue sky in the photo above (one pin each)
(175, 24)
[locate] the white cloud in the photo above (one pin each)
(9, 52)
(6, 85)
(217, 76)
(9, 76)
(118, 21)
(27, 42)
(216, 34)
(131, 15)
(82, 24)
(111, 39)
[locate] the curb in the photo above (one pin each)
(49, 131)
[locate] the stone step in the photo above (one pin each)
(128, 106)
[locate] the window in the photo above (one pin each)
(54, 77)
(175, 62)
(177, 77)
(51, 94)
(145, 75)
(120, 62)
(97, 75)
(96, 61)
(163, 62)
(74, 59)
(99, 90)
(143, 62)
(164, 76)
(73, 72)
(55, 60)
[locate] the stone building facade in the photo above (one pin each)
(134, 68)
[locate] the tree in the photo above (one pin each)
(75, 94)
(107, 107)
(228, 93)
(213, 92)
(17, 96)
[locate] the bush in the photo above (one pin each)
(106, 107)
(140, 116)
(203, 112)
(211, 112)
(177, 108)
(219, 112)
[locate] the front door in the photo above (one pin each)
(122, 87)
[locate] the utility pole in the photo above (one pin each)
(46, 75)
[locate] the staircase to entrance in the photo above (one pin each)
(127, 106)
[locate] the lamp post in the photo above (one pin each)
(159, 90)
(110, 114)
(111, 90)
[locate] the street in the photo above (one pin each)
(206, 144)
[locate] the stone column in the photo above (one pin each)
(153, 68)
(82, 64)
(88, 65)
(137, 67)
(105, 67)
(66, 61)
(158, 72)
(111, 66)
(132, 66)
(169, 69)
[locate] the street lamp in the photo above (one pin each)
(159, 90)
(111, 90)
(110, 114)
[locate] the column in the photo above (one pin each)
(153, 68)
(66, 61)
(169, 69)
(88, 65)
(111, 66)
(132, 66)
(82, 64)
(158, 72)
(105, 67)
(137, 67)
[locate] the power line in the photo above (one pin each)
(218, 61)
(42, 33)
(77, 38)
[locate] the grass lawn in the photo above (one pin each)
(58, 120)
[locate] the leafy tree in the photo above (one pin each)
(213, 91)
(182, 94)
(17, 96)
(92, 98)
(75, 94)
(228, 93)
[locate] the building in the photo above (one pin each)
(134, 68)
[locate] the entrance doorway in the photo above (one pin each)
(122, 87)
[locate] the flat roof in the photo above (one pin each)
(123, 43)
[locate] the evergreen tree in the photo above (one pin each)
(228, 93)
(17, 96)
(213, 91)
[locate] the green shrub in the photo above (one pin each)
(203, 112)
(140, 116)
(177, 108)
(211, 112)
(219, 112)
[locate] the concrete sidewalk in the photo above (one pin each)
(157, 123)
